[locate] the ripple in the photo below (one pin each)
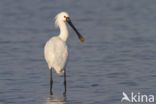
(116, 75)
(129, 83)
(95, 85)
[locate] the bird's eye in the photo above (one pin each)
(64, 16)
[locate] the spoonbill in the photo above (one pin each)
(56, 51)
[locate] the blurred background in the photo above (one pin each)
(119, 52)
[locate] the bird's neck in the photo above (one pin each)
(63, 31)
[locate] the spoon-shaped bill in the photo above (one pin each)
(78, 34)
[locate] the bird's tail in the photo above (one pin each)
(60, 72)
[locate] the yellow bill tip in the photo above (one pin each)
(82, 39)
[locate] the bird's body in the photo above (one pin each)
(56, 54)
(56, 51)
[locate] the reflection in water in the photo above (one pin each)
(53, 99)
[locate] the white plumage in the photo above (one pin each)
(56, 54)
(55, 50)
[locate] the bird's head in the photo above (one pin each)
(64, 17)
(61, 17)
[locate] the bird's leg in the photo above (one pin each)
(51, 82)
(64, 82)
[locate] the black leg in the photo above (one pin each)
(64, 82)
(51, 82)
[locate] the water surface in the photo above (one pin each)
(119, 53)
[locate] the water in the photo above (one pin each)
(119, 53)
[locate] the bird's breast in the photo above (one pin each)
(56, 53)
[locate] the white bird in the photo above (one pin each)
(56, 51)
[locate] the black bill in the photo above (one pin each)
(78, 34)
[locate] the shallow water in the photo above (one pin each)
(119, 53)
